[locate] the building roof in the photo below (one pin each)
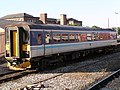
(4, 23)
(18, 15)
(51, 19)
(72, 19)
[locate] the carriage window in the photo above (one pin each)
(64, 37)
(47, 38)
(112, 36)
(101, 36)
(39, 39)
(93, 35)
(78, 37)
(106, 36)
(89, 37)
(96, 37)
(72, 37)
(56, 38)
(35, 38)
(83, 37)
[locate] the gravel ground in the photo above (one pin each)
(2, 60)
(70, 78)
(4, 68)
(72, 81)
(82, 78)
(33, 78)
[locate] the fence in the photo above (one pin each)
(2, 43)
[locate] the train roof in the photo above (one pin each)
(4, 23)
(65, 27)
(29, 26)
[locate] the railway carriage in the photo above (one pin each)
(2, 44)
(28, 45)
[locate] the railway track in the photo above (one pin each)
(13, 75)
(59, 72)
(5, 77)
(16, 75)
(105, 81)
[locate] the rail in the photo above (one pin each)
(104, 81)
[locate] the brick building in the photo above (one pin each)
(22, 17)
(43, 19)
(74, 22)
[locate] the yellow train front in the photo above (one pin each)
(17, 48)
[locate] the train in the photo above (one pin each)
(2, 44)
(36, 45)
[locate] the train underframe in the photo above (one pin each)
(62, 58)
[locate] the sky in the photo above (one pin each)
(91, 12)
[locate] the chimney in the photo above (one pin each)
(43, 17)
(63, 19)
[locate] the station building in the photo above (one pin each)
(43, 19)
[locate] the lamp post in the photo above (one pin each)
(116, 20)
(108, 22)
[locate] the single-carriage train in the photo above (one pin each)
(27, 45)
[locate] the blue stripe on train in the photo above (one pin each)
(61, 45)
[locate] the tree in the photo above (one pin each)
(117, 29)
(96, 27)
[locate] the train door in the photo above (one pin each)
(15, 38)
(48, 42)
(14, 43)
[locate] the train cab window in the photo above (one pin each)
(25, 36)
(47, 39)
(7, 36)
(39, 39)
(56, 38)
(72, 37)
(65, 38)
